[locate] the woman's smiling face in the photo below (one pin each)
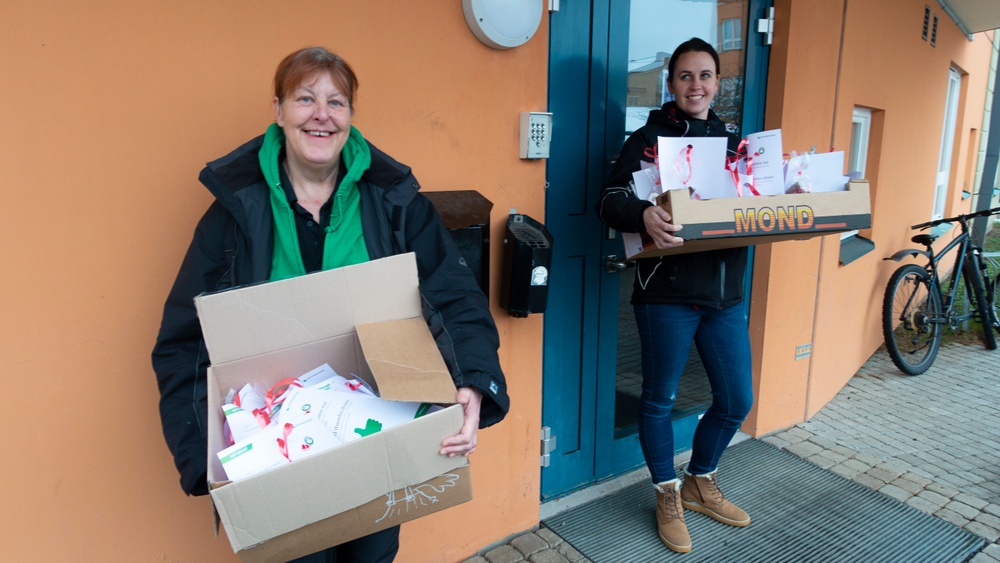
(694, 83)
(316, 119)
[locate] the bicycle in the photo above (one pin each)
(917, 305)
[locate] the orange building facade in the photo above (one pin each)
(112, 109)
(828, 59)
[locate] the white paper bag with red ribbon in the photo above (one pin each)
(696, 164)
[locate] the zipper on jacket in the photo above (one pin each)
(722, 283)
(231, 252)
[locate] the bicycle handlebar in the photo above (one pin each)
(961, 218)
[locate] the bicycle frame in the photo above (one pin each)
(963, 242)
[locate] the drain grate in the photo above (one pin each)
(800, 513)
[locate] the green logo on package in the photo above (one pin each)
(371, 427)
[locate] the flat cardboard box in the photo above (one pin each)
(745, 221)
(364, 320)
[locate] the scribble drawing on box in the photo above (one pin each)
(421, 495)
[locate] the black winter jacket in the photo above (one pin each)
(232, 247)
(712, 278)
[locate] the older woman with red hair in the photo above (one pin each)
(312, 194)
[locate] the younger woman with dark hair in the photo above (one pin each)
(680, 299)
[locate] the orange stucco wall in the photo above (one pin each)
(110, 110)
(801, 292)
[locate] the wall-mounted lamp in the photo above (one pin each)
(503, 24)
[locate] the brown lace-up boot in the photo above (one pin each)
(701, 493)
(670, 517)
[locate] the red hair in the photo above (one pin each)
(294, 69)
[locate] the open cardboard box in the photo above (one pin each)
(745, 221)
(364, 320)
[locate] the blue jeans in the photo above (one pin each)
(723, 342)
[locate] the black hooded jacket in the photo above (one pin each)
(712, 278)
(232, 246)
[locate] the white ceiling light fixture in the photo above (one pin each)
(503, 24)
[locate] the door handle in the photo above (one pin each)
(612, 265)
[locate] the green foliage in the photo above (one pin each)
(992, 243)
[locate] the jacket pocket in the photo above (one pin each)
(695, 276)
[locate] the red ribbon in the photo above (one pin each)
(684, 168)
(283, 441)
(273, 396)
(733, 166)
(262, 418)
(653, 153)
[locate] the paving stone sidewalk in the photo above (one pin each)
(931, 441)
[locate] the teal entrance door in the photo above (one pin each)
(607, 68)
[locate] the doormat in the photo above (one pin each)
(799, 512)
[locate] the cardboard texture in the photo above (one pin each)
(746, 221)
(364, 320)
(429, 497)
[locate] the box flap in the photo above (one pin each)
(273, 316)
(405, 361)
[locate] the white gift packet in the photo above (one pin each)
(815, 172)
(348, 415)
(253, 455)
(703, 166)
(696, 164)
(317, 411)
(767, 171)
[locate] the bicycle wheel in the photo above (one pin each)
(974, 280)
(994, 298)
(909, 310)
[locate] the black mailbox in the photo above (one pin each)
(527, 258)
(466, 215)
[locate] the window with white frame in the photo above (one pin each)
(861, 125)
(947, 142)
(731, 34)
(857, 159)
